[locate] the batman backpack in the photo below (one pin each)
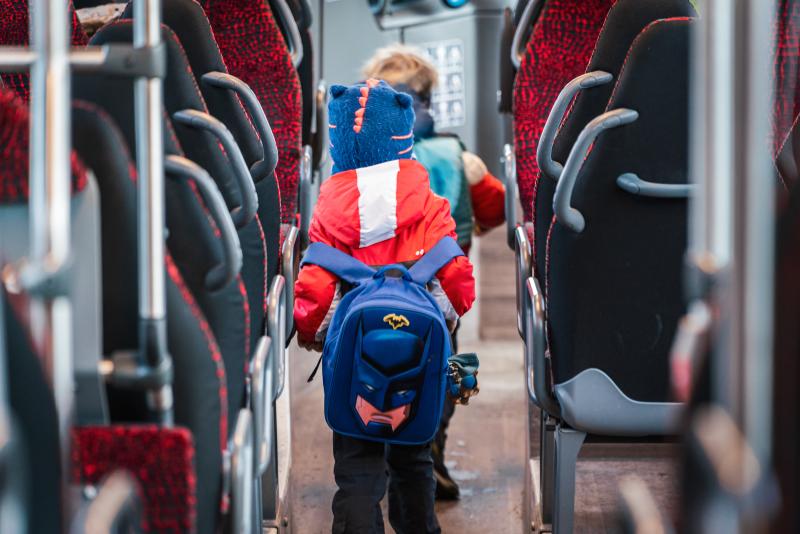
(384, 362)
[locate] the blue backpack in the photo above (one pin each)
(384, 362)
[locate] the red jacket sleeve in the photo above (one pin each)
(456, 277)
(488, 202)
(314, 291)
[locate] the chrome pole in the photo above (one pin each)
(733, 222)
(150, 165)
(712, 149)
(755, 257)
(50, 191)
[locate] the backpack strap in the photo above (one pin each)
(440, 255)
(337, 262)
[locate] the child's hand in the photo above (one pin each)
(474, 168)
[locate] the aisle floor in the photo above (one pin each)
(486, 455)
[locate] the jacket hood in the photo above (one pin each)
(364, 206)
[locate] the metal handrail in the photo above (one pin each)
(544, 150)
(290, 261)
(244, 214)
(512, 193)
(522, 253)
(223, 274)
(535, 351)
(276, 330)
(564, 212)
(266, 166)
(262, 382)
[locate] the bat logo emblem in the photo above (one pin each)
(396, 321)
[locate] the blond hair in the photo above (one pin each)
(399, 63)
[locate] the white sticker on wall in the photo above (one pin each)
(448, 103)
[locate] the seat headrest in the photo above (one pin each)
(14, 152)
(14, 29)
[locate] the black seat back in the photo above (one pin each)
(199, 388)
(625, 20)
(189, 23)
(615, 289)
(236, 312)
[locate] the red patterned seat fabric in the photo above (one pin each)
(161, 459)
(254, 50)
(14, 32)
(559, 49)
(14, 136)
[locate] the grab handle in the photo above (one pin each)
(293, 40)
(634, 185)
(522, 252)
(242, 215)
(381, 273)
(565, 213)
(544, 150)
(266, 166)
(223, 274)
(262, 383)
(512, 193)
(517, 44)
(290, 265)
(535, 351)
(276, 329)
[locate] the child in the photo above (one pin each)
(476, 197)
(377, 207)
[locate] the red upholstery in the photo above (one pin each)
(559, 49)
(14, 32)
(787, 62)
(161, 459)
(14, 135)
(254, 50)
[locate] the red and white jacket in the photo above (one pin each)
(380, 215)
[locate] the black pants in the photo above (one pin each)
(363, 468)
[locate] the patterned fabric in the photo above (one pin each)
(14, 136)
(787, 62)
(14, 32)
(161, 459)
(254, 50)
(559, 49)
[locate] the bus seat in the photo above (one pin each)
(254, 51)
(34, 409)
(615, 260)
(624, 21)
(14, 32)
(189, 23)
(199, 386)
(181, 93)
(30, 397)
(615, 287)
(559, 48)
(192, 241)
(14, 128)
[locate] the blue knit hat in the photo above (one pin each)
(370, 123)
